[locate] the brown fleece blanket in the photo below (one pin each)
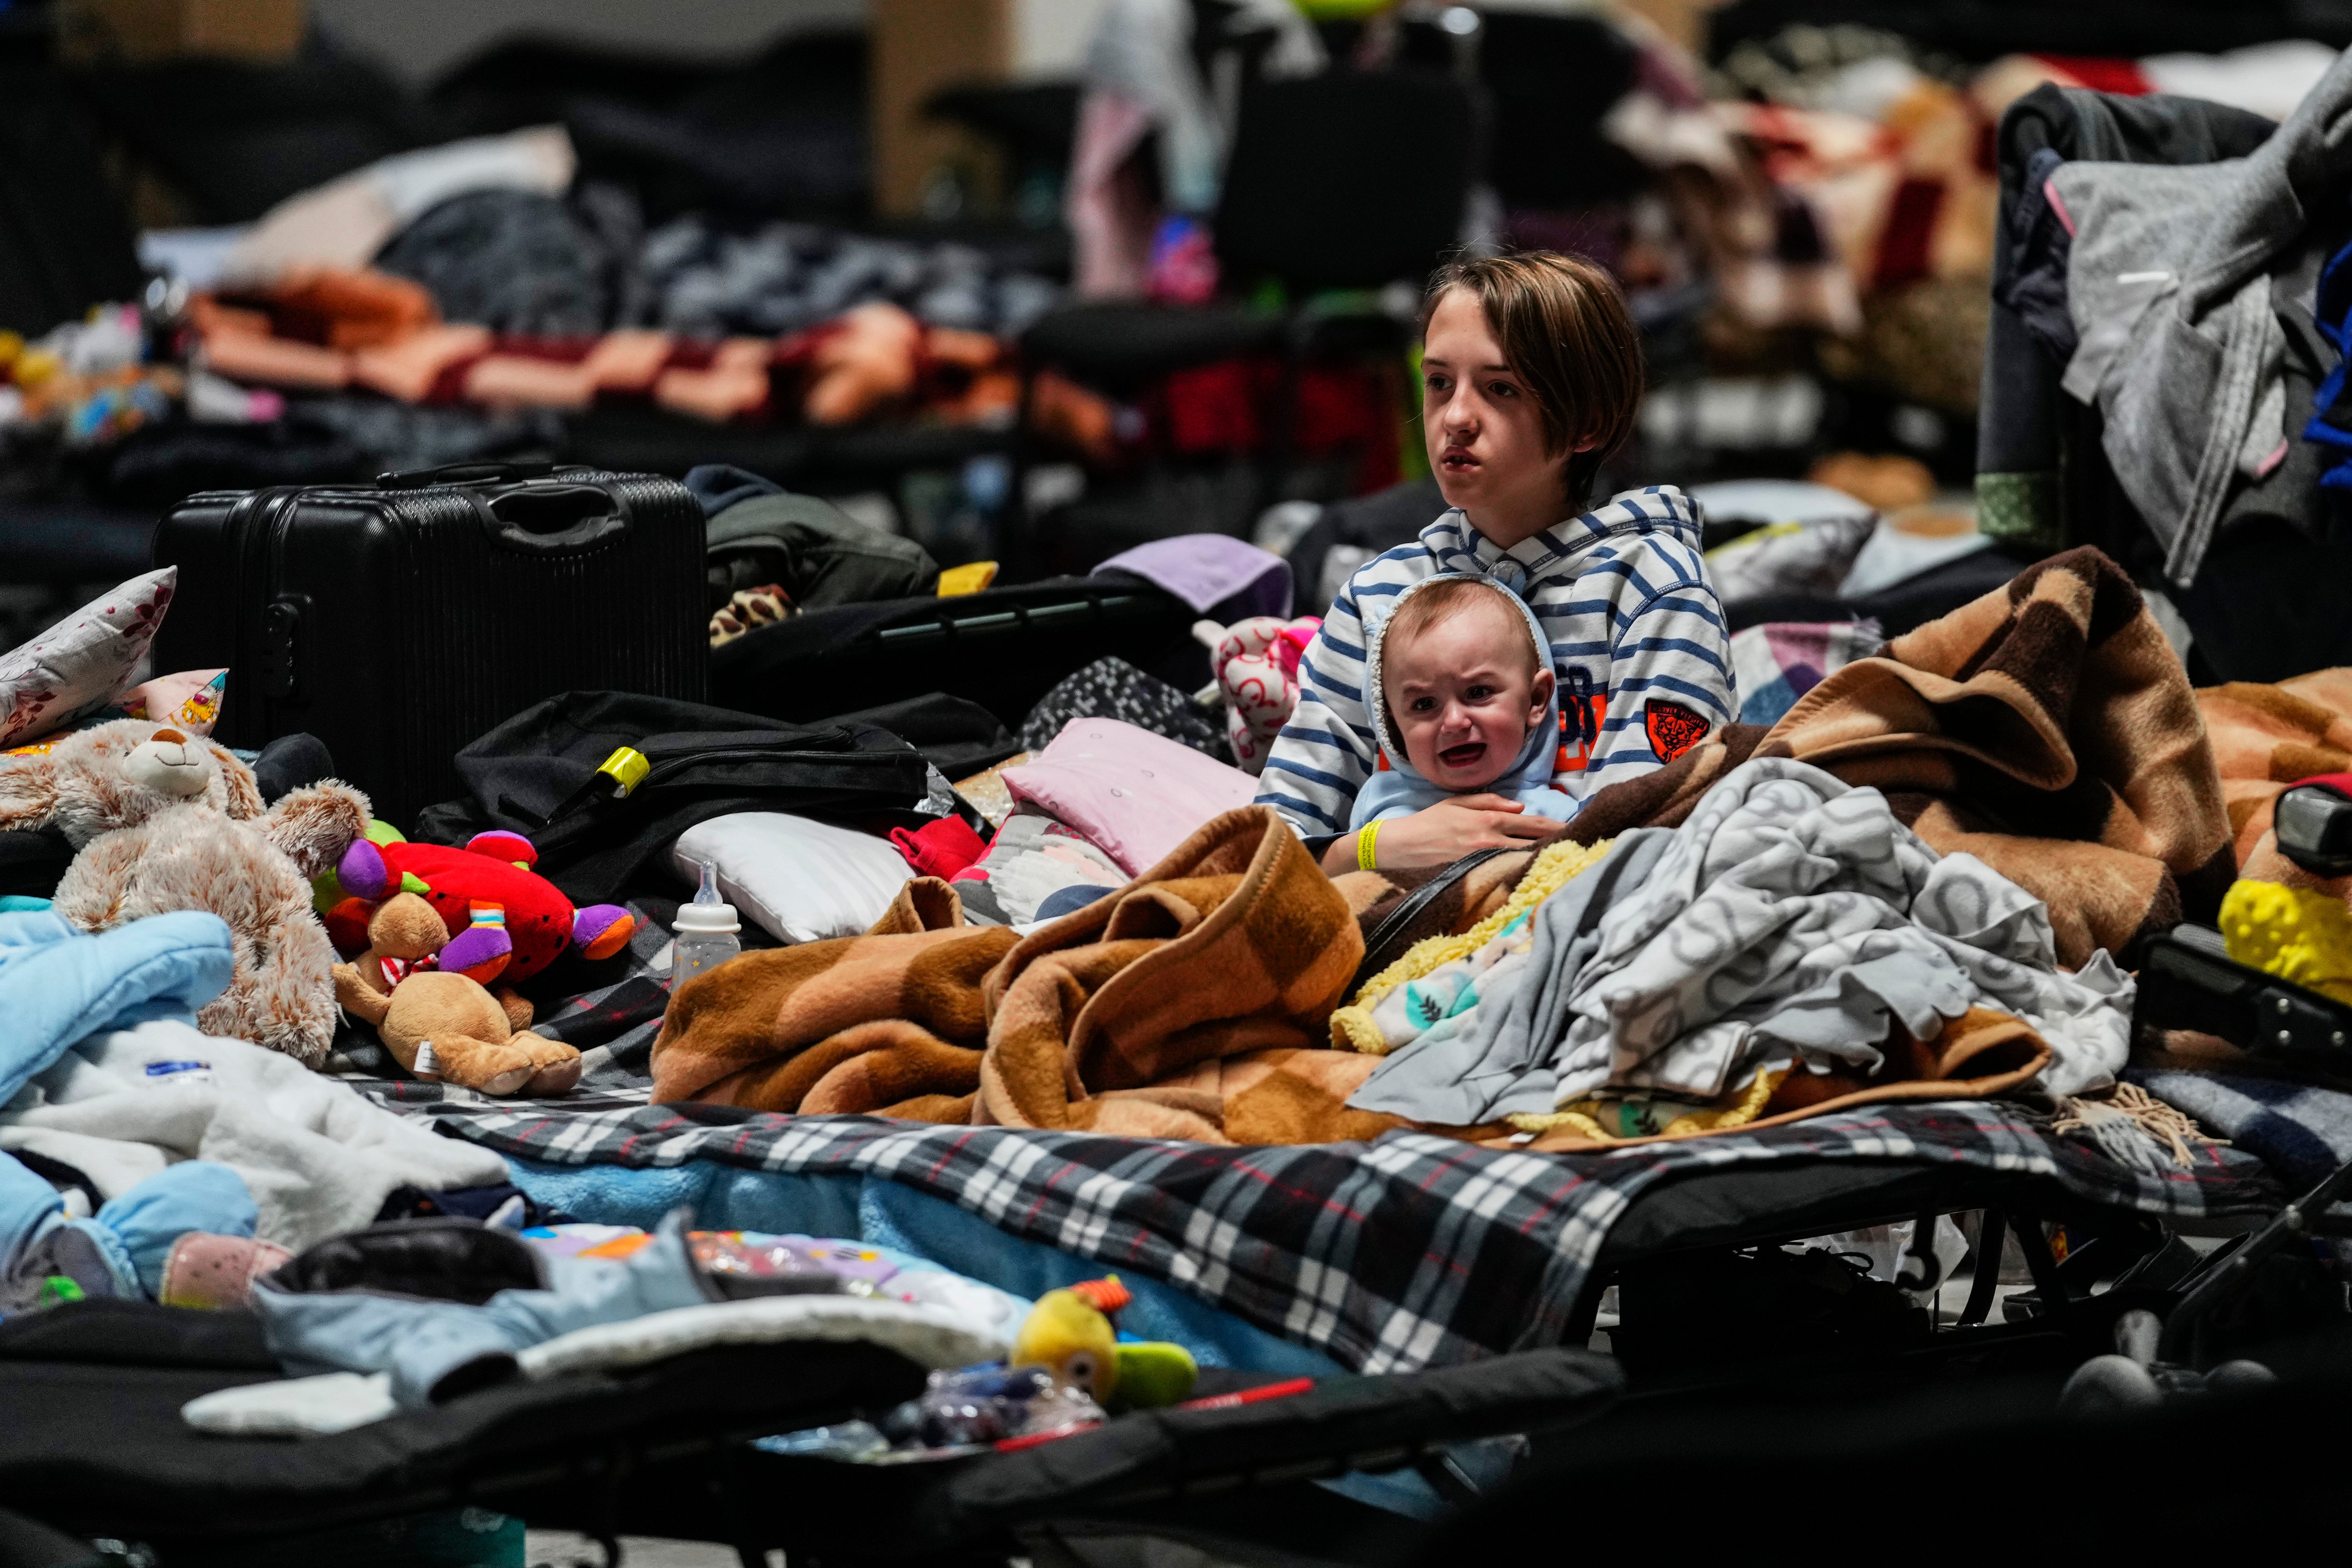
(1191, 1004)
(2267, 738)
(2047, 729)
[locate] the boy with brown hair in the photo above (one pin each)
(1531, 378)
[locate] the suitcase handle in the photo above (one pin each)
(475, 473)
(553, 519)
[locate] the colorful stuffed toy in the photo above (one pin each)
(1257, 665)
(1069, 1332)
(441, 1023)
(511, 922)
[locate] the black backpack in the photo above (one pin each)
(601, 782)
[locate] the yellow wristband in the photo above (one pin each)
(1366, 839)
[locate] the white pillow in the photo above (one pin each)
(799, 879)
(81, 662)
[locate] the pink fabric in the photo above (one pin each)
(1134, 794)
(1257, 665)
(1111, 225)
(2058, 206)
(216, 1272)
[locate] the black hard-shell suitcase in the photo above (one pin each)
(1003, 649)
(398, 621)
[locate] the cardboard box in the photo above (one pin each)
(138, 32)
(919, 47)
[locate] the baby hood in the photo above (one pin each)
(1533, 766)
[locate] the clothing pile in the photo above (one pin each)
(402, 1318)
(2152, 249)
(1790, 947)
(2167, 299)
(146, 1158)
(482, 277)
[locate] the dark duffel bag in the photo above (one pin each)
(601, 782)
(398, 621)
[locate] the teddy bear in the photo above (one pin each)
(166, 822)
(509, 921)
(442, 1024)
(1256, 665)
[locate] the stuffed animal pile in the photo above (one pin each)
(428, 929)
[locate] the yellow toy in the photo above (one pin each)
(1069, 1333)
(2296, 934)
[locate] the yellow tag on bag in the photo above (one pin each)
(627, 768)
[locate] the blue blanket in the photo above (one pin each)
(725, 1197)
(59, 985)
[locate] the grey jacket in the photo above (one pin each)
(425, 1343)
(2170, 286)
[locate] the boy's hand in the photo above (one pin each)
(1442, 834)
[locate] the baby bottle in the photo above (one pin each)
(706, 931)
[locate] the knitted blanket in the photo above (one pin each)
(1192, 1003)
(2047, 729)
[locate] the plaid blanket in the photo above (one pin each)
(2300, 1130)
(1412, 1250)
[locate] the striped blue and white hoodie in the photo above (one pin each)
(1637, 636)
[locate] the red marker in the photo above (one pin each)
(1250, 1395)
(1214, 1402)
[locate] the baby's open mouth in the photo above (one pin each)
(1464, 755)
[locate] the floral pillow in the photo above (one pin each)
(81, 663)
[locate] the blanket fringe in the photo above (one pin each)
(1353, 1027)
(2168, 1125)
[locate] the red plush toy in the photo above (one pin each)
(509, 920)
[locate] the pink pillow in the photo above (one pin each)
(189, 701)
(1136, 794)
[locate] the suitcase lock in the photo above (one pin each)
(281, 623)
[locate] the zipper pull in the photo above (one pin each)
(626, 767)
